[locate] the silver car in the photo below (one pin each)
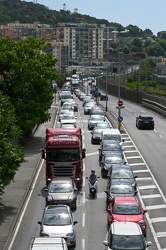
(62, 190)
(58, 221)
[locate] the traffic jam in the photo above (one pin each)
(64, 159)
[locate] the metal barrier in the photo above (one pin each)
(154, 106)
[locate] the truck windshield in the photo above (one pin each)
(62, 155)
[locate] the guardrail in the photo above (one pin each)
(154, 106)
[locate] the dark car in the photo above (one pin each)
(122, 172)
(108, 160)
(111, 146)
(96, 135)
(119, 187)
(62, 190)
(144, 121)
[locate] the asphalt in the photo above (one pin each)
(12, 201)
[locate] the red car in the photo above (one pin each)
(125, 208)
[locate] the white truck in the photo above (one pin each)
(48, 243)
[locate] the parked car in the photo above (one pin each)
(122, 172)
(118, 187)
(108, 160)
(111, 146)
(127, 209)
(144, 121)
(58, 220)
(125, 235)
(92, 120)
(61, 190)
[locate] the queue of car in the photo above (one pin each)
(126, 221)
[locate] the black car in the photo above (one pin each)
(96, 135)
(108, 160)
(144, 121)
(119, 187)
(110, 146)
(121, 172)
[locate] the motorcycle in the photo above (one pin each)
(93, 187)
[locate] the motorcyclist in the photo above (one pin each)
(93, 176)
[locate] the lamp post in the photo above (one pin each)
(106, 88)
(119, 101)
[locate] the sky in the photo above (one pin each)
(145, 14)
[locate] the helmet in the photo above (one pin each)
(93, 171)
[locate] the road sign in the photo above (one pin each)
(120, 103)
(120, 119)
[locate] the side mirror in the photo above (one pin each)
(75, 222)
(136, 176)
(39, 222)
(145, 211)
(43, 154)
(83, 153)
(46, 189)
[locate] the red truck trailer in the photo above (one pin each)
(64, 154)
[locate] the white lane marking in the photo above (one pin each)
(83, 181)
(129, 146)
(161, 136)
(161, 234)
(147, 187)
(94, 153)
(134, 157)
(84, 166)
(83, 244)
(140, 171)
(137, 164)
(149, 196)
(131, 151)
(159, 219)
(83, 220)
(156, 207)
(25, 205)
(83, 200)
(144, 178)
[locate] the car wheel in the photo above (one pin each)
(92, 142)
(152, 128)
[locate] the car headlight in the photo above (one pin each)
(70, 234)
(141, 222)
(44, 234)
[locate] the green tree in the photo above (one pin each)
(27, 72)
(11, 155)
(155, 49)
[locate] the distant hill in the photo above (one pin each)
(29, 12)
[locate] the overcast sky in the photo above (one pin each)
(149, 14)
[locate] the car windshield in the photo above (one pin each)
(68, 117)
(102, 125)
(97, 131)
(121, 174)
(127, 242)
(121, 189)
(95, 118)
(114, 160)
(127, 209)
(112, 137)
(52, 219)
(60, 188)
(111, 147)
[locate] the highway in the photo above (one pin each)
(144, 151)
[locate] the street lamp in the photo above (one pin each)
(119, 101)
(106, 89)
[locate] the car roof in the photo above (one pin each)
(121, 167)
(60, 179)
(126, 228)
(126, 199)
(121, 182)
(114, 153)
(110, 141)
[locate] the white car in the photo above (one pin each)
(68, 118)
(58, 220)
(125, 235)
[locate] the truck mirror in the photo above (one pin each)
(83, 153)
(43, 154)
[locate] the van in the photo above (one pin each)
(111, 134)
(48, 243)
